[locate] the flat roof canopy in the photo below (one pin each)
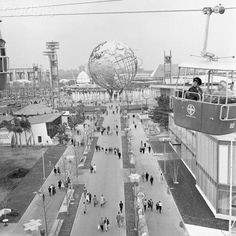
(204, 64)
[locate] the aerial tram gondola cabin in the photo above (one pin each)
(211, 112)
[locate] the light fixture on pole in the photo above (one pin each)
(44, 175)
(41, 194)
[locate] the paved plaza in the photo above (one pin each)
(109, 180)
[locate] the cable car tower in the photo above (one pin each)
(4, 62)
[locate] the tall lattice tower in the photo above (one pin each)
(167, 68)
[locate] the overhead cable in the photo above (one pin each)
(107, 13)
(60, 5)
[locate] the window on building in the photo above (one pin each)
(39, 139)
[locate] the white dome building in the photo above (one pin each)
(83, 78)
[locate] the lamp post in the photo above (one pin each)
(41, 194)
(44, 176)
(68, 173)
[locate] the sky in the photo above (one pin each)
(148, 35)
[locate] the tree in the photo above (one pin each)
(161, 112)
(26, 127)
(11, 127)
(77, 118)
(17, 129)
(62, 136)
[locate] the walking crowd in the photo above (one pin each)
(109, 150)
(104, 222)
(144, 146)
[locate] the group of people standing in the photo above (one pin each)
(148, 204)
(109, 150)
(143, 147)
(52, 188)
(108, 131)
(104, 224)
(145, 176)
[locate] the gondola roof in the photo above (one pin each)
(204, 64)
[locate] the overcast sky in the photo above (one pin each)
(149, 35)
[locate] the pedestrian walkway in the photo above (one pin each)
(52, 204)
(168, 222)
(108, 180)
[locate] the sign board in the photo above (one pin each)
(140, 195)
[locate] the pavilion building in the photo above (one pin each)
(43, 120)
(207, 157)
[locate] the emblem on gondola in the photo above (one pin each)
(190, 110)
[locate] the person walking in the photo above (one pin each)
(160, 206)
(90, 197)
(85, 207)
(108, 223)
(146, 176)
(59, 184)
(118, 219)
(149, 148)
(143, 176)
(121, 206)
(94, 168)
(87, 198)
(145, 204)
(85, 192)
(95, 200)
(55, 170)
(49, 191)
(151, 180)
(101, 224)
(91, 169)
(105, 224)
(58, 170)
(157, 207)
(122, 219)
(53, 189)
(102, 200)
(151, 204)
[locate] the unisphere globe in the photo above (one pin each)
(112, 65)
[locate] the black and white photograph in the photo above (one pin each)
(117, 117)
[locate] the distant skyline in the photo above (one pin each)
(149, 35)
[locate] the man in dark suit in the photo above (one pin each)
(195, 92)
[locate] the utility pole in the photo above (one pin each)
(45, 214)
(42, 195)
(44, 175)
(52, 55)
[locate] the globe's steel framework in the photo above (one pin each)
(112, 65)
